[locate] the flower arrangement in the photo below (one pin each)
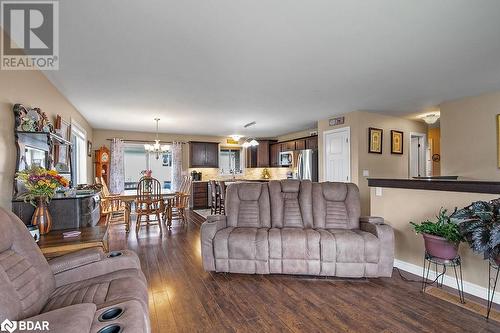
(146, 173)
(40, 183)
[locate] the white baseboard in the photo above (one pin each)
(450, 281)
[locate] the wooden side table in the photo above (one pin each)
(54, 244)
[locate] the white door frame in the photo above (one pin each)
(337, 130)
(424, 137)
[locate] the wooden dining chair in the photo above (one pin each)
(149, 201)
(176, 207)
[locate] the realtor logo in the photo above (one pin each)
(8, 326)
(33, 28)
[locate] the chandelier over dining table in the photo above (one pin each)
(156, 148)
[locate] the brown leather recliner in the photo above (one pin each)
(83, 291)
(296, 227)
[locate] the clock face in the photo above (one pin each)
(104, 157)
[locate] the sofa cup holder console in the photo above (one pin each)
(113, 328)
(111, 314)
(114, 254)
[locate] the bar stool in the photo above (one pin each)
(222, 197)
(213, 197)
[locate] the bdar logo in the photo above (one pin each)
(8, 326)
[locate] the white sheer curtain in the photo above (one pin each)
(176, 165)
(117, 167)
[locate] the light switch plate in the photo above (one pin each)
(366, 173)
(378, 191)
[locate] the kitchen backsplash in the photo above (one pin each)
(249, 173)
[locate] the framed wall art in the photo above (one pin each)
(396, 142)
(375, 140)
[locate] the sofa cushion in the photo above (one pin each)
(242, 250)
(247, 205)
(241, 243)
(291, 203)
(294, 251)
(335, 205)
(354, 246)
(104, 290)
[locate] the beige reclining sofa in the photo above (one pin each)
(296, 227)
(84, 291)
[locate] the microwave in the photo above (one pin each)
(286, 158)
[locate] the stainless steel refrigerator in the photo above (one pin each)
(306, 164)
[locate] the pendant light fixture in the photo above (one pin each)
(156, 148)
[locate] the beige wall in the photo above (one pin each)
(378, 165)
(469, 137)
(296, 135)
(30, 88)
(417, 206)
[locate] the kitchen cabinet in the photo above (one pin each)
(258, 156)
(312, 142)
(287, 146)
(274, 155)
(300, 144)
(199, 195)
(203, 154)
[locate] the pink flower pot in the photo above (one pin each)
(439, 247)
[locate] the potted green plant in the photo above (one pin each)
(479, 224)
(441, 238)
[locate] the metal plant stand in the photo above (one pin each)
(456, 263)
(493, 271)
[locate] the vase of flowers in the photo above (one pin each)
(41, 185)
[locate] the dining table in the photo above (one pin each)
(130, 196)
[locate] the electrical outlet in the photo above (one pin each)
(378, 191)
(366, 173)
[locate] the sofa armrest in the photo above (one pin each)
(76, 259)
(385, 234)
(109, 263)
(209, 228)
(75, 318)
(371, 219)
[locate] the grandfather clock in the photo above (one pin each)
(102, 158)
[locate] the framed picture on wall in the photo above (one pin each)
(375, 140)
(396, 142)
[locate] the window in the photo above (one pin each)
(136, 160)
(230, 161)
(79, 154)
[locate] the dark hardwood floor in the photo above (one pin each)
(185, 298)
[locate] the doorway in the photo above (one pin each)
(337, 155)
(418, 153)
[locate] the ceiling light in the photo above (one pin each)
(431, 118)
(156, 148)
(236, 137)
(254, 143)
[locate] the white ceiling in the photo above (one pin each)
(210, 66)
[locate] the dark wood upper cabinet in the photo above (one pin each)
(274, 155)
(300, 144)
(287, 146)
(312, 142)
(203, 155)
(258, 156)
